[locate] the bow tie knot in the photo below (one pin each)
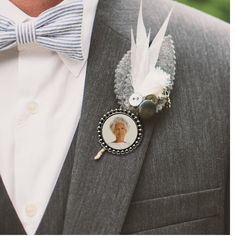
(25, 33)
(58, 29)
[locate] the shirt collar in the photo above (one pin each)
(11, 11)
(8, 9)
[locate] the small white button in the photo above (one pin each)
(135, 99)
(31, 210)
(32, 107)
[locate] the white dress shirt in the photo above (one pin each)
(40, 106)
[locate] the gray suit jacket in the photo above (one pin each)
(176, 182)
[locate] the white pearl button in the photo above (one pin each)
(135, 99)
(31, 210)
(32, 107)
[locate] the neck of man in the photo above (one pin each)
(35, 7)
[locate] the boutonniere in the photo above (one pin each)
(144, 79)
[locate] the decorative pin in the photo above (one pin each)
(119, 132)
(143, 80)
(100, 153)
(146, 72)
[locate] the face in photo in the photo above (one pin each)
(119, 131)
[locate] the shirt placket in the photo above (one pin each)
(26, 108)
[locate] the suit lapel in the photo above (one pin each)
(9, 221)
(100, 191)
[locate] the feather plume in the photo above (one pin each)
(146, 79)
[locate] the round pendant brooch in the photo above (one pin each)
(119, 131)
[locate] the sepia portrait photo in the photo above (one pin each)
(119, 131)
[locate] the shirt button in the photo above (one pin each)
(31, 210)
(32, 107)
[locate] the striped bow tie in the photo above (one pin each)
(58, 29)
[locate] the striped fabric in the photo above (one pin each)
(58, 29)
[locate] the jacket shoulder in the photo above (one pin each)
(121, 15)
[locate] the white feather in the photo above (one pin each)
(146, 79)
(133, 50)
(155, 82)
(155, 47)
(139, 51)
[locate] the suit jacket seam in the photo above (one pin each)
(177, 223)
(115, 31)
(176, 195)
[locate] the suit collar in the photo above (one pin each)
(100, 191)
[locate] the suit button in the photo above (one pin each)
(147, 109)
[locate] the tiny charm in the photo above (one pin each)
(119, 132)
